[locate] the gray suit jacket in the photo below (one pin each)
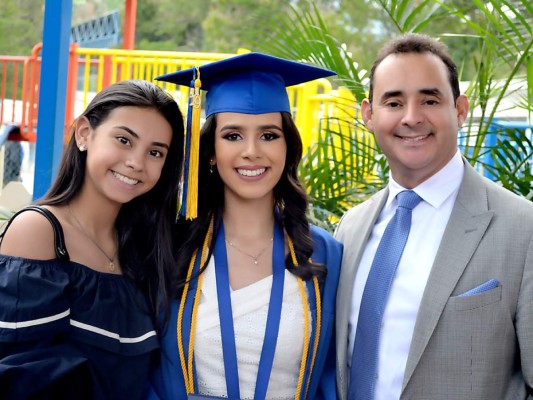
(469, 347)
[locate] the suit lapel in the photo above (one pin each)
(468, 222)
(354, 235)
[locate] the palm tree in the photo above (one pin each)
(344, 166)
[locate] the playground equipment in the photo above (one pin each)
(19, 92)
(90, 70)
(316, 105)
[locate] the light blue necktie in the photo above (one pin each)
(388, 254)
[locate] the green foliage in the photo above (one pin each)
(303, 35)
(221, 26)
(86, 10)
(234, 24)
(21, 24)
(20, 30)
(342, 168)
(505, 41)
(511, 160)
(174, 25)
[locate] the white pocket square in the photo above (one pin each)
(490, 284)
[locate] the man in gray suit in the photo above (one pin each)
(458, 319)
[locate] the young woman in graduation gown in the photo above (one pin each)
(254, 303)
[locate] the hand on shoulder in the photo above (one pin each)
(30, 235)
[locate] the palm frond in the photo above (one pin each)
(344, 166)
(304, 36)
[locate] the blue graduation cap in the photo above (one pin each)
(251, 83)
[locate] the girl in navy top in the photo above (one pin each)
(82, 274)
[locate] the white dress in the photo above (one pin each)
(250, 308)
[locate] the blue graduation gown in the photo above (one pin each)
(167, 380)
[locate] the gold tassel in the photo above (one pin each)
(192, 195)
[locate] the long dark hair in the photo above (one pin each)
(289, 195)
(145, 225)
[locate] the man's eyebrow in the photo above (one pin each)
(397, 93)
(389, 94)
(431, 91)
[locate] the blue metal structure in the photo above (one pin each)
(52, 96)
(497, 130)
(100, 33)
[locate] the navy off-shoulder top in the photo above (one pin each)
(69, 332)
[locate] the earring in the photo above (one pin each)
(211, 163)
(82, 147)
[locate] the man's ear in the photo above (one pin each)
(366, 113)
(461, 105)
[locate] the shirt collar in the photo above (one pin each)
(438, 187)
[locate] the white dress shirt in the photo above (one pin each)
(429, 220)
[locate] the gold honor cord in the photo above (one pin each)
(179, 327)
(306, 327)
(317, 335)
(187, 367)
